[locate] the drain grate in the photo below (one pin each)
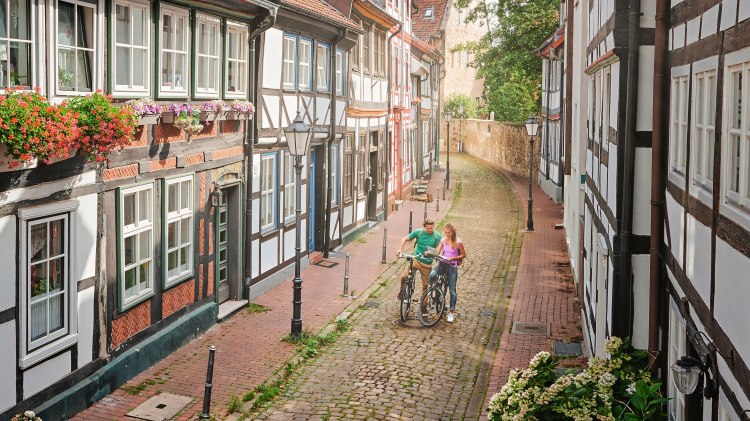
(568, 348)
(485, 312)
(530, 328)
(163, 406)
(372, 304)
(327, 263)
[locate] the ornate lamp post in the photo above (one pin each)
(532, 126)
(460, 128)
(298, 139)
(447, 115)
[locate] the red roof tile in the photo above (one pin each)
(323, 10)
(425, 28)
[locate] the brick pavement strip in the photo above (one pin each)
(381, 370)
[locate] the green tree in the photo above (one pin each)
(471, 108)
(504, 59)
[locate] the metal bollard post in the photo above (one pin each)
(437, 202)
(425, 211)
(346, 276)
(443, 193)
(209, 378)
(385, 236)
(410, 222)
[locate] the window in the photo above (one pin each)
(381, 161)
(322, 63)
(429, 13)
(376, 64)
(48, 307)
(334, 174)
(361, 165)
(425, 88)
(305, 64)
(382, 52)
(236, 61)
(737, 158)
(704, 117)
(678, 122)
(207, 37)
(289, 197)
(339, 72)
(136, 239)
(268, 192)
(16, 44)
(348, 167)
(355, 49)
(130, 63)
(366, 48)
(289, 60)
(677, 332)
(76, 29)
(173, 50)
(179, 229)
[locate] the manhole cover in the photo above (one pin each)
(327, 263)
(372, 304)
(568, 349)
(530, 328)
(485, 312)
(563, 371)
(163, 406)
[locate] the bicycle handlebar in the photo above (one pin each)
(411, 256)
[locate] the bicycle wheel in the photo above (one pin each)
(432, 306)
(405, 304)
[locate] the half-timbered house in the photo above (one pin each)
(424, 110)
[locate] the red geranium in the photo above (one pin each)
(103, 126)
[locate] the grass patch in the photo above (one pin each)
(248, 396)
(257, 308)
(235, 404)
(135, 390)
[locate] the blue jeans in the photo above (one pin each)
(451, 274)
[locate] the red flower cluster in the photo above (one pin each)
(103, 126)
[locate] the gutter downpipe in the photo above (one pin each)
(387, 124)
(657, 181)
(625, 326)
(561, 131)
(331, 138)
(546, 113)
(264, 24)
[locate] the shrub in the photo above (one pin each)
(103, 126)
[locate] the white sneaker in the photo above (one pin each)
(450, 317)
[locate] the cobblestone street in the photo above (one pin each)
(382, 370)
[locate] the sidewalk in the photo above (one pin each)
(248, 346)
(543, 291)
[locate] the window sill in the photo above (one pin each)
(178, 280)
(702, 192)
(265, 232)
(737, 212)
(348, 201)
(47, 350)
(135, 302)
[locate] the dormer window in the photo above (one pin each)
(429, 13)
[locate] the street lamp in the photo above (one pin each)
(460, 128)
(447, 115)
(298, 139)
(532, 126)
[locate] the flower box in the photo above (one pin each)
(71, 153)
(6, 161)
(236, 115)
(148, 119)
(167, 117)
(208, 116)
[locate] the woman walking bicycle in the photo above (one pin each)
(451, 248)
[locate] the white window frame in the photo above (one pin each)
(736, 204)
(676, 348)
(322, 65)
(335, 174)
(211, 60)
(289, 61)
(131, 90)
(172, 91)
(339, 72)
(93, 49)
(289, 193)
(678, 123)
(703, 139)
(268, 190)
(32, 41)
(135, 229)
(36, 351)
(304, 68)
(183, 213)
(241, 62)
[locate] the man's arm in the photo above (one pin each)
(401, 247)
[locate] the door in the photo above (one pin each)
(372, 194)
(228, 244)
(311, 203)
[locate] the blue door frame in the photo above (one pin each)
(311, 204)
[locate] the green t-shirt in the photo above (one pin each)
(425, 240)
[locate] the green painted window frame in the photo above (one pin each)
(186, 79)
(119, 92)
(179, 216)
(120, 232)
(219, 57)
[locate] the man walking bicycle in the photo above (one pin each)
(425, 237)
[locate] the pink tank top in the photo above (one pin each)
(448, 251)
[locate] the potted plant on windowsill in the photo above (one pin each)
(103, 126)
(170, 112)
(32, 130)
(147, 111)
(189, 123)
(212, 110)
(240, 110)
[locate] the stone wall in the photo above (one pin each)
(503, 145)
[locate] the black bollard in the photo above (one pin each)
(209, 378)
(437, 202)
(425, 211)
(410, 222)
(385, 236)
(443, 193)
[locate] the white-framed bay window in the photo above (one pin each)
(321, 64)
(678, 120)
(173, 52)
(289, 197)
(17, 39)
(304, 66)
(289, 61)
(76, 28)
(704, 127)
(268, 178)
(207, 51)
(131, 67)
(177, 237)
(47, 289)
(236, 60)
(736, 148)
(135, 238)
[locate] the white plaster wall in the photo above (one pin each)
(710, 23)
(731, 291)
(727, 376)
(356, 79)
(45, 374)
(322, 110)
(348, 215)
(361, 210)
(693, 30)
(269, 250)
(728, 14)
(744, 10)
(640, 300)
(8, 263)
(645, 108)
(292, 105)
(256, 211)
(675, 213)
(272, 104)
(642, 192)
(678, 36)
(612, 181)
(85, 237)
(698, 257)
(272, 57)
(289, 239)
(8, 365)
(335, 234)
(86, 300)
(45, 189)
(366, 91)
(614, 96)
(256, 258)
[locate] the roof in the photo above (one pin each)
(425, 28)
(321, 9)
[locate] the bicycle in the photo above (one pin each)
(433, 299)
(408, 288)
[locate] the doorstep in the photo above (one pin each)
(229, 307)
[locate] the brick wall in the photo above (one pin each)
(503, 145)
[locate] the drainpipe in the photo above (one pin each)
(657, 174)
(329, 141)
(259, 26)
(546, 120)
(387, 122)
(561, 131)
(624, 327)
